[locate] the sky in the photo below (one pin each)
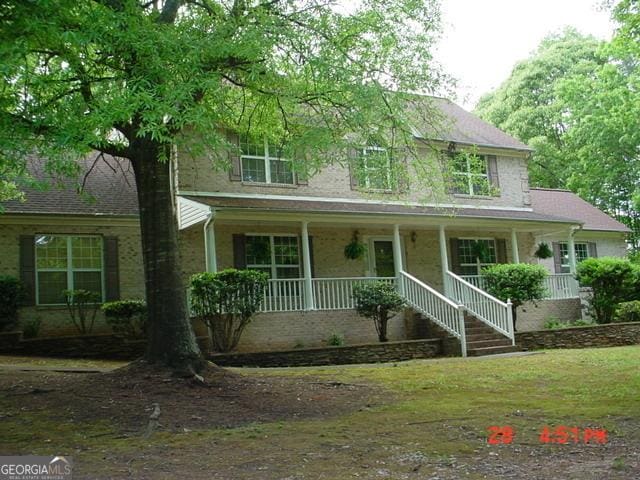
(484, 39)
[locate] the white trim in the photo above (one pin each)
(370, 259)
(266, 159)
(264, 196)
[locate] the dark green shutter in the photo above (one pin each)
(111, 270)
(235, 172)
(592, 250)
(239, 250)
(557, 257)
(501, 250)
(28, 267)
(492, 166)
(454, 257)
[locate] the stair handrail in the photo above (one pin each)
(485, 307)
(441, 310)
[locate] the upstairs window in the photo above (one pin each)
(276, 255)
(374, 169)
(262, 162)
(470, 174)
(67, 263)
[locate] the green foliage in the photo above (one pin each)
(335, 340)
(576, 101)
(518, 282)
(11, 293)
(82, 306)
(31, 327)
(126, 317)
(543, 251)
(378, 301)
(555, 324)
(226, 301)
(355, 249)
(613, 280)
(628, 311)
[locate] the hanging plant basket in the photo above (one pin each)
(543, 251)
(355, 249)
(481, 251)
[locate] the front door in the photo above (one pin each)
(383, 258)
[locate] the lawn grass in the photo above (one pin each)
(437, 414)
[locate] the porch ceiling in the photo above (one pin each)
(234, 209)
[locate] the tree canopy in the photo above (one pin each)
(140, 80)
(576, 101)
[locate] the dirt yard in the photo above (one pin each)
(413, 420)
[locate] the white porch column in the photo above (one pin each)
(514, 246)
(210, 246)
(444, 259)
(306, 267)
(572, 252)
(397, 255)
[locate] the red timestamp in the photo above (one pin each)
(505, 435)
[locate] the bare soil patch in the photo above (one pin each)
(126, 397)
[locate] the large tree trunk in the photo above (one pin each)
(172, 341)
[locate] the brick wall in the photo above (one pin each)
(55, 319)
(532, 317)
(611, 335)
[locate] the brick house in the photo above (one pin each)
(261, 214)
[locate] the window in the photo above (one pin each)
(67, 263)
(262, 163)
(374, 169)
(476, 253)
(470, 174)
(277, 255)
(581, 250)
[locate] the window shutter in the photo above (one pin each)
(313, 270)
(557, 257)
(28, 267)
(235, 173)
(402, 174)
(454, 258)
(501, 250)
(445, 163)
(352, 158)
(593, 249)
(492, 165)
(239, 250)
(302, 178)
(111, 272)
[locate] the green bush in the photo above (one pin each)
(518, 282)
(335, 340)
(378, 301)
(11, 293)
(31, 328)
(226, 301)
(127, 318)
(628, 312)
(555, 324)
(613, 280)
(83, 306)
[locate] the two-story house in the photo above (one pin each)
(262, 214)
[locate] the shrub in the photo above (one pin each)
(226, 301)
(83, 306)
(11, 293)
(378, 301)
(518, 282)
(554, 324)
(31, 328)
(335, 340)
(628, 312)
(613, 280)
(126, 317)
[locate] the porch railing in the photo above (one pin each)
(337, 293)
(485, 307)
(284, 295)
(558, 286)
(434, 305)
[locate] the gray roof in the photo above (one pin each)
(311, 205)
(547, 201)
(464, 127)
(109, 189)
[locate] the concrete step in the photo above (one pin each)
(494, 342)
(479, 331)
(483, 336)
(478, 352)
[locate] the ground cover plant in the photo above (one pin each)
(411, 420)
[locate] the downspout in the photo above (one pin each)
(209, 252)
